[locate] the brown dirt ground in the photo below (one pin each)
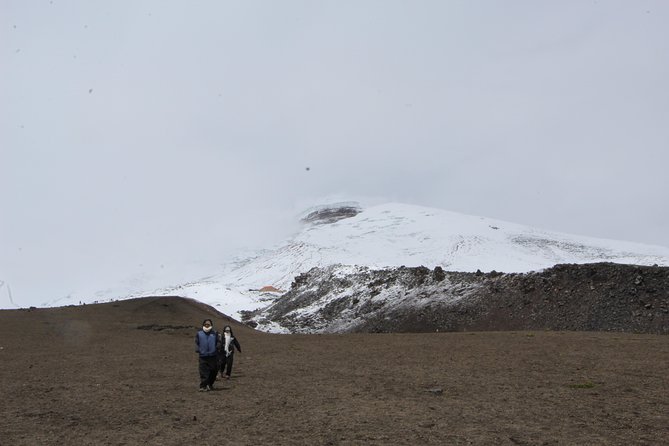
(88, 375)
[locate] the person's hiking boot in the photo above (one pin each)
(202, 389)
(210, 387)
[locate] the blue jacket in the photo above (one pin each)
(207, 343)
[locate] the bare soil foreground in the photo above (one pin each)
(125, 373)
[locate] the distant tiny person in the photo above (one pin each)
(227, 355)
(208, 344)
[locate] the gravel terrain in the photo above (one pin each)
(125, 373)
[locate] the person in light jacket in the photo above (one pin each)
(208, 345)
(227, 353)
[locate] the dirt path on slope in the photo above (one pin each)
(89, 375)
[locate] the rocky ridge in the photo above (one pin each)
(585, 297)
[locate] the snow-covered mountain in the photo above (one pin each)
(388, 235)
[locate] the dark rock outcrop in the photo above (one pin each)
(590, 297)
(331, 214)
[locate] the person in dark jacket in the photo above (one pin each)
(208, 345)
(227, 353)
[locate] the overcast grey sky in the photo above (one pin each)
(140, 133)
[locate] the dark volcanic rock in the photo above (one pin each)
(331, 214)
(590, 297)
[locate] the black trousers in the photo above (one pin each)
(208, 370)
(226, 364)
